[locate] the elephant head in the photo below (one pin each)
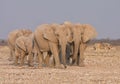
(68, 27)
(88, 32)
(48, 33)
(26, 32)
(22, 32)
(57, 33)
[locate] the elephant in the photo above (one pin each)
(82, 34)
(49, 38)
(12, 36)
(24, 45)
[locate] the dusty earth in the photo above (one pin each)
(101, 67)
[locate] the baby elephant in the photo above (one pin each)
(24, 46)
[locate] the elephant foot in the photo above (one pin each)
(73, 64)
(30, 65)
(81, 65)
(21, 67)
(61, 66)
(15, 64)
(51, 66)
(39, 67)
(12, 64)
(70, 61)
(65, 66)
(35, 67)
(10, 59)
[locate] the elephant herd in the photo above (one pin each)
(63, 42)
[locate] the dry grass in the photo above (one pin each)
(101, 68)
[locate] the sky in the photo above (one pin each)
(103, 15)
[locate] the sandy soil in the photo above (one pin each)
(101, 67)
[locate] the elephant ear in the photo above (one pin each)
(19, 33)
(49, 34)
(88, 32)
(78, 29)
(20, 43)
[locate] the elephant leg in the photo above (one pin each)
(75, 53)
(47, 58)
(17, 55)
(63, 52)
(11, 55)
(40, 59)
(30, 59)
(26, 58)
(16, 60)
(54, 50)
(10, 58)
(68, 52)
(71, 55)
(22, 59)
(36, 58)
(52, 61)
(81, 56)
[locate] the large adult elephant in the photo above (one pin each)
(12, 36)
(82, 34)
(49, 37)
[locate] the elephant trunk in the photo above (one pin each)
(75, 51)
(63, 52)
(81, 56)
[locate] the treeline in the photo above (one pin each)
(111, 41)
(115, 42)
(3, 42)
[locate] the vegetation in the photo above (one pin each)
(115, 42)
(3, 42)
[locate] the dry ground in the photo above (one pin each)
(101, 68)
